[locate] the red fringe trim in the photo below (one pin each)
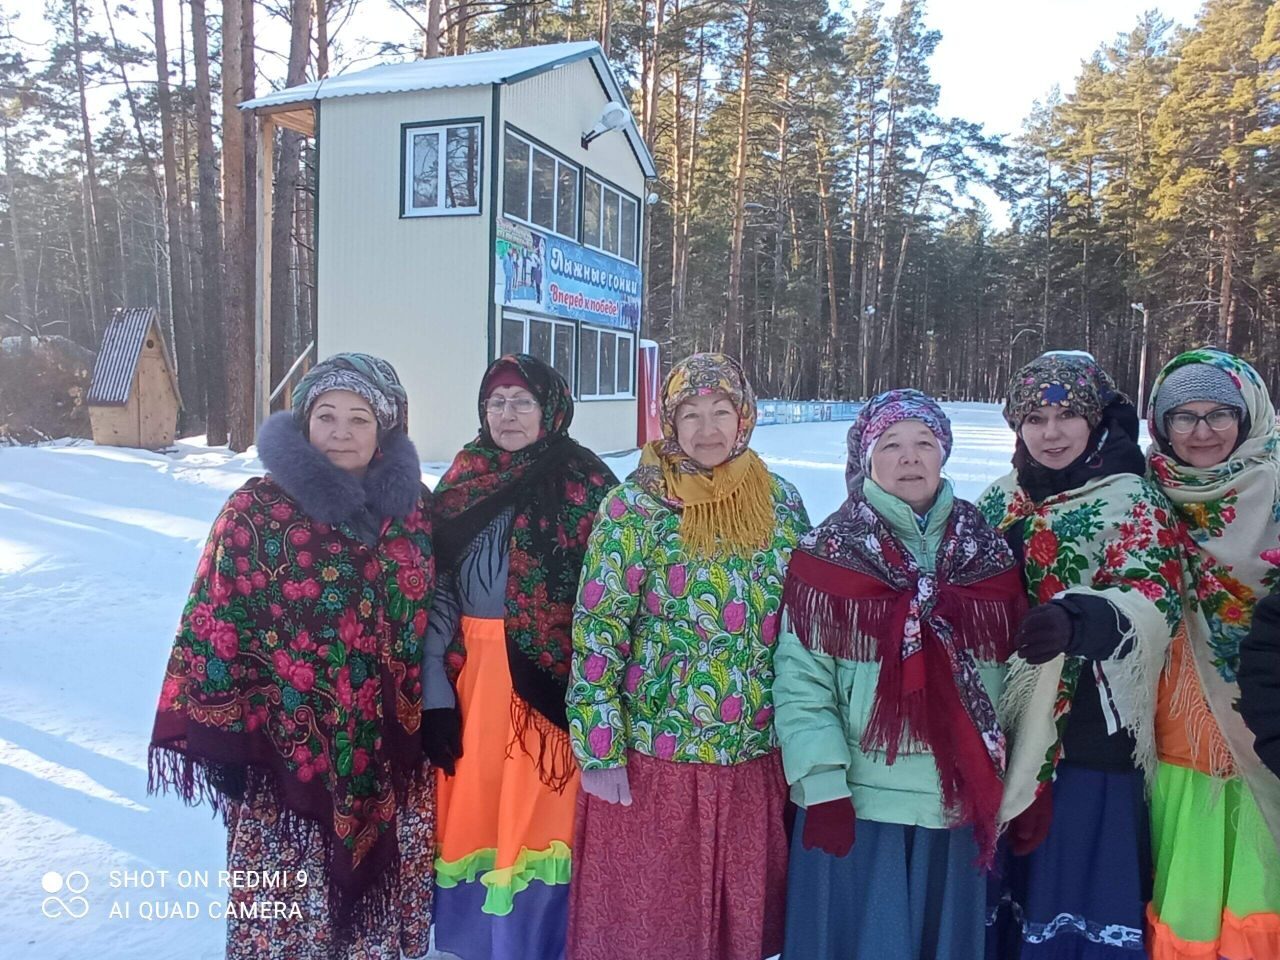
(853, 616)
(555, 762)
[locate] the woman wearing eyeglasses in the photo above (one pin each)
(513, 514)
(1215, 808)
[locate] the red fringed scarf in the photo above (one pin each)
(854, 592)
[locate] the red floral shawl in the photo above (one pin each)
(298, 657)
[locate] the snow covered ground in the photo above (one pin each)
(97, 550)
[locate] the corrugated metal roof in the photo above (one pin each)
(118, 359)
(470, 70)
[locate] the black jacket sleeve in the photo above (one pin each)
(1259, 677)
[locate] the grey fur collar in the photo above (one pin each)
(390, 488)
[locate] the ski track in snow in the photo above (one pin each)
(97, 550)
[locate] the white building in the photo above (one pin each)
(465, 212)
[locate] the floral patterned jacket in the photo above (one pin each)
(673, 653)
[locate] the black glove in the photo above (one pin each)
(1044, 633)
(442, 737)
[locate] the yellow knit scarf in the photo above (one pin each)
(728, 510)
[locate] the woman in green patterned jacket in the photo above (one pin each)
(670, 698)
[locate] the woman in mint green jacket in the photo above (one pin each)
(900, 609)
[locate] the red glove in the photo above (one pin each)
(830, 827)
(1029, 828)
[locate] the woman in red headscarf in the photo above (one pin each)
(513, 514)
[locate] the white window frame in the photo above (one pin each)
(623, 337)
(596, 243)
(559, 327)
(441, 128)
(555, 192)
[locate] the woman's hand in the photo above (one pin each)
(610, 785)
(1044, 633)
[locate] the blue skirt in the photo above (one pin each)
(906, 893)
(533, 930)
(1082, 894)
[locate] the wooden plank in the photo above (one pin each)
(299, 117)
(157, 402)
(262, 328)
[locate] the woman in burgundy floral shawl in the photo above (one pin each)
(292, 700)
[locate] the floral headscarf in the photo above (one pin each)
(882, 412)
(1232, 513)
(701, 375)
(730, 505)
(368, 376)
(1072, 380)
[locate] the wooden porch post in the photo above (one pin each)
(262, 326)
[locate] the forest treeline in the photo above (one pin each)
(814, 210)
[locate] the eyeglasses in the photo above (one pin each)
(499, 405)
(1220, 420)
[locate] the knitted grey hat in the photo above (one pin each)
(1196, 381)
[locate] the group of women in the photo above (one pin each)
(537, 713)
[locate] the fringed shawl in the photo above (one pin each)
(854, 592)
(1232, 513)
(1116, 537)
(298, 657)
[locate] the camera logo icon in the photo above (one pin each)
(74, 884)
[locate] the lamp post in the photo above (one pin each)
(1142, 357)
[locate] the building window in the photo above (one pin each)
(605, 360)
(442, 169)
(610, 219)
(549, 340)
(539, 188)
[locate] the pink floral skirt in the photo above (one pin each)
(694, 869)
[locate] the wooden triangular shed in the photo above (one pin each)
(133, 397)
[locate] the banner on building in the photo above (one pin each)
(552, 275)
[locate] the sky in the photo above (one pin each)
(997, 57)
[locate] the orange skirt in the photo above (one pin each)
(504, 838)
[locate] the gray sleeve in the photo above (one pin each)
(482, 574)
(442, 624)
